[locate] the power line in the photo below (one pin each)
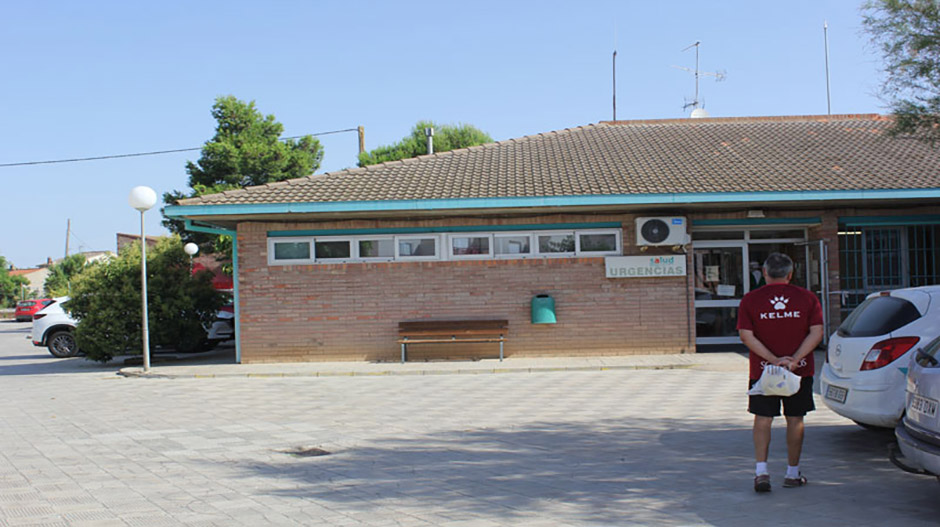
(155, 153)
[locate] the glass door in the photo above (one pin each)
(719, 286)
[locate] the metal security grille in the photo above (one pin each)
(878, 258)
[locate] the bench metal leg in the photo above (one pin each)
(500, 348)
(403, 352)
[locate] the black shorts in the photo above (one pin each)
(797, 405)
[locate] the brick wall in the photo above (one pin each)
(351, 311)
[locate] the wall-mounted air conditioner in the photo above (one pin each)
(661, 230)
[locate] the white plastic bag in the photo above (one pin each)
(776, 380)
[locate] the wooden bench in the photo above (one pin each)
(431, 331)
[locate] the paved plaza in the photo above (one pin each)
(504, 444)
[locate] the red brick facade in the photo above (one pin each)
(350, 311)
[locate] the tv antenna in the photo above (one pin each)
(697, 103)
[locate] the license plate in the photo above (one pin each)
(834, 393)
(923, 405)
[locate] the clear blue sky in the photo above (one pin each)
(95, 78)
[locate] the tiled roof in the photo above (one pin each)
(781, 154)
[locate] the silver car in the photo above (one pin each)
(919, 431)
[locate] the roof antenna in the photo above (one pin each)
(615, 85)
(697, 105)
(826, 39)
(615, 70)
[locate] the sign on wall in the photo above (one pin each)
(645, 266)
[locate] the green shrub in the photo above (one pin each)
(106, 301)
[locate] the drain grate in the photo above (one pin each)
(304, 451)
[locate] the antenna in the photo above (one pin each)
(826, 39)
(615, 85)
(696, 103)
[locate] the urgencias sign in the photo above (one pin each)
(645, 266)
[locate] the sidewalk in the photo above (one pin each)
(213, 365)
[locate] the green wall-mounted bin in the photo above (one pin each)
(543, 309)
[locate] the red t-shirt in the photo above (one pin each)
(780, 316)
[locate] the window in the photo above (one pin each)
(597, 243)
(417, 248)
(332, 249)
(513, 245)
(287, 251)
(556, 243)
(377, 248)
(471, 245)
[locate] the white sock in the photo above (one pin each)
(793, 472)
(761, 468)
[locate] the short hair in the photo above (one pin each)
(778, 265)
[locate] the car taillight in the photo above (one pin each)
(887, 351)
(37, 316)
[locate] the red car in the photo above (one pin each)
(27, 308)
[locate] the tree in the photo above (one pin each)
(61, 275)
(106, 301)
(446, 137)
(908, 34)
(10, 286)
(246, 150)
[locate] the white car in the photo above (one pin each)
(55, 329)
(919, 432)
(868, 356)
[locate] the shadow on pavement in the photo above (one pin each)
(609, 473)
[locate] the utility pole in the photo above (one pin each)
(68, 234)
(362, 139)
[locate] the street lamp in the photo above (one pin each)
(143, 198)
(191, 249)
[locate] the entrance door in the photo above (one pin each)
(719, 287)
(818, 256)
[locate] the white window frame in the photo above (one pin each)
(443, 246)
(538, 251)
(533, 240)
(290, 239)
(437, 247)
(450, 246)
(365, 259)
(617, 250)
(327, 239)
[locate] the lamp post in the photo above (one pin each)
(143, 198)
(191, 249)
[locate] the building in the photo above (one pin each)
(328, 265)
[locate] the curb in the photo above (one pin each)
(134, 373)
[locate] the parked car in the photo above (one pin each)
(27, 308)
(864, 375)
(919, 432)
(54, 328)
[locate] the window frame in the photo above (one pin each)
(443, 246)
(437, 247)
(273, 241)
(454, 235)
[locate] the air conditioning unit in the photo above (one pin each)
(662, 230)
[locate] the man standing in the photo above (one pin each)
(781, 324)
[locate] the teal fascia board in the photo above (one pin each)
(189, 225)
(180, 211)
(815, 220)
(873, 221)
(460, 228)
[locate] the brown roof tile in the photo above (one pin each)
(676, 156)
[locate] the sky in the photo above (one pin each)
(99, 78)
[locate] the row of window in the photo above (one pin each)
(301, 250)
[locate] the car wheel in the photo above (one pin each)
(62, 344)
